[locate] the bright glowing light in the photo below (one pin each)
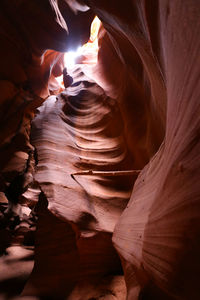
(88, 52)
(90, 48)
(69, 59)
(60, 80)
(92, 45)
(95, 26)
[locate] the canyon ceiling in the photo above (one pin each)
(99, 182)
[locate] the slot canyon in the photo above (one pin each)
(100, 152)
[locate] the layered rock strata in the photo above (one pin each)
(148, 64)
(81, 129)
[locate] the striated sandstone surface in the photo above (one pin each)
(137, 108)
(80, 129)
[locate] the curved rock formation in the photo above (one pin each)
(137, 108)
(156, 235)
(28, 68)
(77, 214)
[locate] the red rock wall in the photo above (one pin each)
(27, 67)
(29, 29)
(77, 214)
(157, 234)
(141, 112)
